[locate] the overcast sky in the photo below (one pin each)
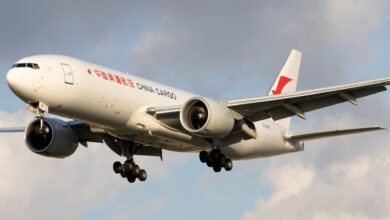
(225, 50)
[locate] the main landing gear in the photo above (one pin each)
(216, 160)
(130, 170)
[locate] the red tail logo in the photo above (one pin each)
(281, 84)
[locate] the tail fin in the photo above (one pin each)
(287, 80)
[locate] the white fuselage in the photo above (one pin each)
(117, 103)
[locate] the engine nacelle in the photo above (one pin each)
(56, 139)
(206, 118)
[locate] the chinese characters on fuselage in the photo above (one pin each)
(130, 83)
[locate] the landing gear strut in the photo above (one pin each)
(216, 160)
(39, 111)
(130, 170)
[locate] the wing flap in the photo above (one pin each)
(84, 132)
(326, 134)
(322, 102)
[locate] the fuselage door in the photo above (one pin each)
(68, 74)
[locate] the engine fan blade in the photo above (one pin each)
(198, 116)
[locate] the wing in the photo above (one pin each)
(326, 134)
(287, 105)
(12, 130)
(90, 133)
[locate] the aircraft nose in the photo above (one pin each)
(12, 79)
(20, 84)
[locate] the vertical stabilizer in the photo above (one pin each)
(287, 80)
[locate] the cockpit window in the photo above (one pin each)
(21, 65)
(29, 65)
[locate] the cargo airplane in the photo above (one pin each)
(135, 116)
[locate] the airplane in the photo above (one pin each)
(134, 116)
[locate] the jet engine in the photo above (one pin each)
(206, 118)
(51, 138)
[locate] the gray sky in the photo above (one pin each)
(222, 49)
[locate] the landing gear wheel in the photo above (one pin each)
(131, 179)
(216, 159)
(117, 167)
(217, 168)
(203, 156)
(228, 165)
(222, 160)
(123, 174)
(135, 171)
(130, 170)
(128, 166)
(142, 175)
(214, 155)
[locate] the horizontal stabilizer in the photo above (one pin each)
(325, 134)
(11, 130)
